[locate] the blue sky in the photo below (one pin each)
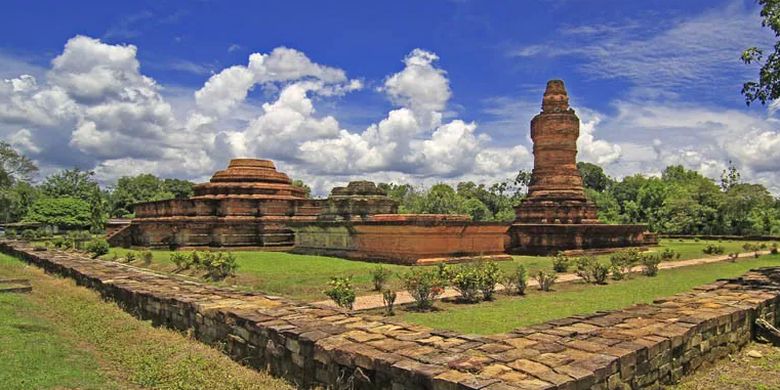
(402, 90)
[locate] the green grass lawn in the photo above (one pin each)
(64, 336)
(506, 313)
(305, 277)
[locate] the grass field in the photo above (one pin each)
(305, 277)
(506, 313)
(63, 336)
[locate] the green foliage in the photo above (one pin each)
(183, 261)
(600, 273)
(29, 235)
(593, 176)
(489, 276)
(560, 262)
(591, 271)
(146, 257)
(466, 280)
(516, 281)
(341, 292)
(669, 254)
(145, 188)
(650, 264)
(97, 247)
(545, 279)
(130, 257)
(713, 249)
(388, 301)
(424, 287)
(300, 184)
(218, 265)
(77, 238)
(622, 262)
(65, 212)
(71, 183)
(379, 276)
(773, 248)
(767, 87)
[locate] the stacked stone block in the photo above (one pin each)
(643, 346)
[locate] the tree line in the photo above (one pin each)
(679, 201)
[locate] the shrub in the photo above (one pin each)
(196, 258)
(560, 262)
(489, 275)
(517, 281)
(650, 264)
(388, 300)
(11, 234)
(466, 280)
(733, 256)
(146, 257)
(423, 286)
(115, 257)
(773, 249)
(379, 276)
(341, 292)
(77, 238)
(58, 242)
(181, 260)
(97, 247)
(670, 254)
(585, 266)
(219, 265)
(599, 273)
(545, 279)
(712, 249)
(29, 235)
(130, 257)
(623, 261)
(445, 272)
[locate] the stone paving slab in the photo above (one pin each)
(643, 346)
(375, 301)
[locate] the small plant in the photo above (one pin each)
(28, 235)
(388, 300)
(78, 238)
(341, 292)
(489, 275)
(379, 276)
(147, 257)
(219, 265)
(650, 264)
(599, 273)
(733, 256)
(516, 282)
(670, 254)
(11, 234)
(58, 242)
(712, 249)
(623, 261)
(545, 279)
(130, 257)
(115, 257)
(423, 286)
(585, 266)
(445, 272)
(466, 280)
(560, 262)
(773, 248)
(181, 260)
(97, 247)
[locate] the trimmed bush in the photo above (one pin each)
(388, 301)
(650, 264)
(379, 276)
(489, 275)
(773, 248)
(545, 279)
(28, 235)
(599, 273)
(219, 265)
(97, 247)
(182, 260)
(466, 280)
(622, 262)
(147, 257)
(516, 282)
(670, 254)
(130, 257)
(713, 249)
(341, 292)
(560, 263)
(423, 286)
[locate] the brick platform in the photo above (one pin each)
(643, 346)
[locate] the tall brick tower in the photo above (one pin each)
(555, 194)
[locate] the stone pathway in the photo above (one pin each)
(642, 346)
(374, 301)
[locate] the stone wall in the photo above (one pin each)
(643, 346)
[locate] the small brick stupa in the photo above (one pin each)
(248, 204)
(556, 215)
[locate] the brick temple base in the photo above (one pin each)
(544, 239)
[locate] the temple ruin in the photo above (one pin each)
(556, 215)
(252, 205)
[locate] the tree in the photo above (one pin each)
(593, 176)
(300, 184)
(14, 166)
(729, 177)
(16, 200)
(73, 183)
(65, 212)
(181, 189)
(767, 87)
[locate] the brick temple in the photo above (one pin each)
(556, 215)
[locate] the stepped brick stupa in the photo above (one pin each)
(248, 204)
(556, 215)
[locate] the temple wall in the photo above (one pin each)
(548, 238)
(402, 242)
(642, 347)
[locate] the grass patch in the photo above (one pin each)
(306, 277)
(507, 313)
(65, 336)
